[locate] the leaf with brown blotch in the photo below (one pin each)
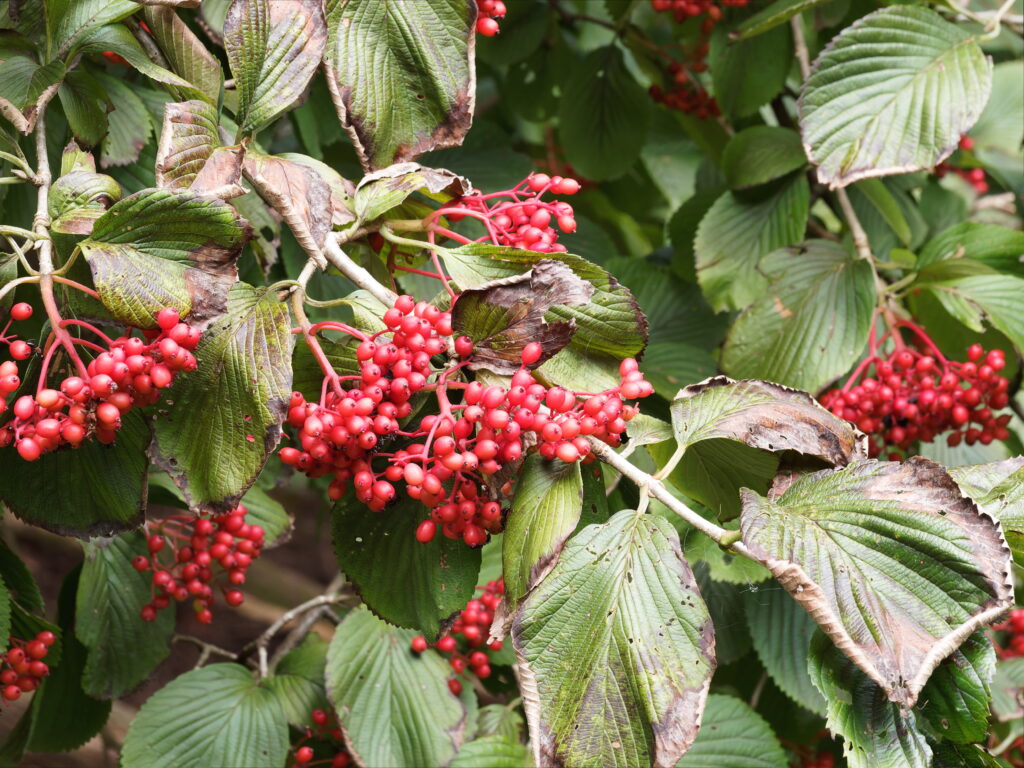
(274, 48)
(187, 140)
(186, 54)
(221, 174)
(165, 248)
(891, 561)
(380, 191)
(402, 75)
(298, 193)
(342, 190)
(615, 649)
(764, 415)
(504, 316)
(78, 198)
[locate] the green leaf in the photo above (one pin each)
(781, 632)
(615, 648)
(949, 755)
(64, 716)
(401, 75)
(878, 733)
(996, 247)
(499, 720)
(751, 72)
(69, 21)
(502, 317)
(999, 129)
(492, 752)
(374, 681)
(122, 648)
(24, 87)
(298, 697)
(682, 230)
(733, 734)
(19, 583)
(722, 565)
(766, 416)
(269, 514)
(239, 723)
(956, 698)
(901, 109)
(725, 604)
(977, 299)
(544, 513)
(274, 49)
(226, 415)
(402, 580)
(882, 199)
(1008, 690)
(889, 559)
(186, 55)
(129, 124)
(85, 106)
(762, 153)
(80, 197)
(611, 323)
(779, 12)
(998, 490)
(735, 234)
(162, 248)
(813, 322)
(116, 38)
(95, 490)
(604, 116)
(308, 377)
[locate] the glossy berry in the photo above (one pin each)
(21, 311)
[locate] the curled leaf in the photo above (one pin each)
(503, 316)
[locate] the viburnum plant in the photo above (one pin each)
(659, 407)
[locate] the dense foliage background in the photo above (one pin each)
(821, 200)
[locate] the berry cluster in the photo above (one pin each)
(327, 733)
(915, 397)
(197, 545)
(1014, 626)
(490, 12)
(342, 435)
(23, 666)
(128, 373)
(473, 625)
(973, 176)
(819, 760)
(518, 217)
(682, 10)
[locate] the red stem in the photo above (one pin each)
(62, 336)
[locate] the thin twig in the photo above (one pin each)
(260, 643)
(656, 489)
(302, 629)
(205, 648)
(363, 279)
(800, 46)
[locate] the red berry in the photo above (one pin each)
(418, 645)
(303, 754)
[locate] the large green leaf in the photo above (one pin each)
(878, 733)
(760, 154)
(85, 106)
(976, 294)
(604, 115)
(492, 752)
(129, 125)
(734, 234)
(998, 490)
(69, 21)
(223, 420)
(393, 705)
(956, 699)
(273, 47)
(889, 559)
(400, 579)
(733, 735)
(95, 490)
(64, 716)
(892, 93)
(25, 86)
(781, 632)
(778, 12)
(186, 55)
(615, 648)
(994, 246)
(116, 38)
(216, 715)
(187, 140)
(811, 324)
(122, 648)
(545, 511)
(162, 248)
(749, 72)
(298, 697)
(401, 75)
